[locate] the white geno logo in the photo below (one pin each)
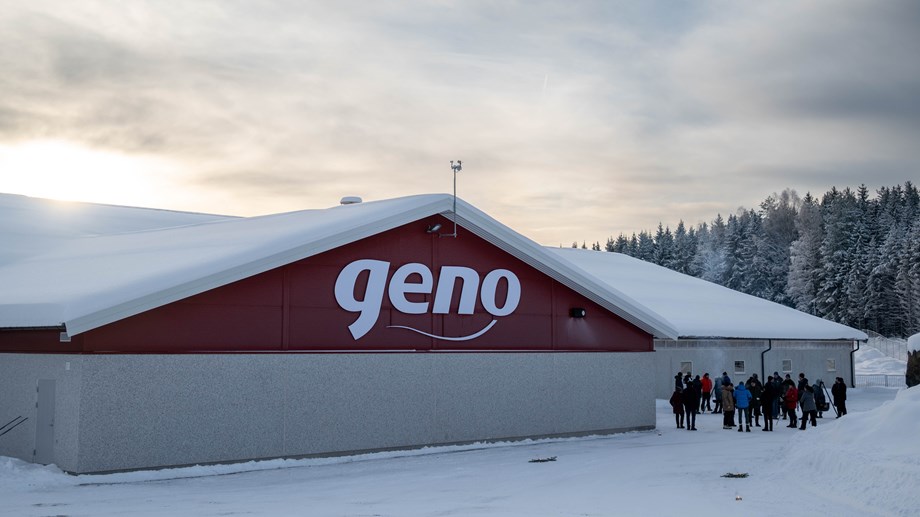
(368, 307)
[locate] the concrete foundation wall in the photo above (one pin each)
(138, 411)
(717, 356)
(19, 376)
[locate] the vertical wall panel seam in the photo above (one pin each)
(285, 309)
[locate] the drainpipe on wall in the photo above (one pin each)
(853, 366)
(763, 373)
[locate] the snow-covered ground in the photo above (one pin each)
(866, 463)
(870, 361)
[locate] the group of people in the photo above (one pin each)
(753, 399)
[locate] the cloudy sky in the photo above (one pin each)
(574, 120)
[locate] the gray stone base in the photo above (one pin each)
(124, 412)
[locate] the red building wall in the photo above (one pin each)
(294, 308)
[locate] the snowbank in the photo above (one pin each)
(869, 461)
(913, 343)
(18, 473)
(870, 361)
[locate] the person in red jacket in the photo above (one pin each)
(791, 401)
(706, 394)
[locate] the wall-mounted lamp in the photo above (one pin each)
(433, 228)
(577, 312)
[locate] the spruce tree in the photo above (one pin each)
(805, 257)
(664, 247)
(710, 263)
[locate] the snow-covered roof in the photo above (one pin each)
(701, 309)
(89, 281)
(31, 226)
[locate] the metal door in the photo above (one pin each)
(44, 424)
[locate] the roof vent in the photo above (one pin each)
(350, 200)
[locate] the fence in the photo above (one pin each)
(884, 381)
(892, 347)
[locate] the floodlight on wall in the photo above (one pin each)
(577, 312)
(433, 228)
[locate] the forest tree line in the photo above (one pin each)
(847, 257)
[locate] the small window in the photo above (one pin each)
(787, 365)
(832, 365)
(686, 367)
(739, 366)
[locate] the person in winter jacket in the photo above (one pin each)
(717, 392)
(791, 401)
(786, 384)
(706, 393)
(728, 406)
(803, 381)
(743, 404)
(691, 399)
(820, 399)
(767, 399)
(756, 388)
(725, 378)
(839, 393)
(808, 408)
(679, 381)
(777, 390)
(677, 405)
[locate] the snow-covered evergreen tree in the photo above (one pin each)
(645, 248)
(779, 214)
(805, 257)
(850, 258)
(664, 246)
(684, 249)
(882, 305)
(840, 215)
(710, 263)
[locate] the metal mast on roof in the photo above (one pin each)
(456, 168)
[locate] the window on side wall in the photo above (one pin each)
(832, 365)
(787, 365)
(739, 367)
(686, 367)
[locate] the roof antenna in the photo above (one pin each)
(456, 168)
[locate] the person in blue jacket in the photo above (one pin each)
(743, 403)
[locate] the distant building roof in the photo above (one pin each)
(701, 309)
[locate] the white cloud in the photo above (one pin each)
(575, 122)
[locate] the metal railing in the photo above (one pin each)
(892, 347)
(883, 381)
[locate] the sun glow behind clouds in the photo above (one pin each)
(67, 171)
